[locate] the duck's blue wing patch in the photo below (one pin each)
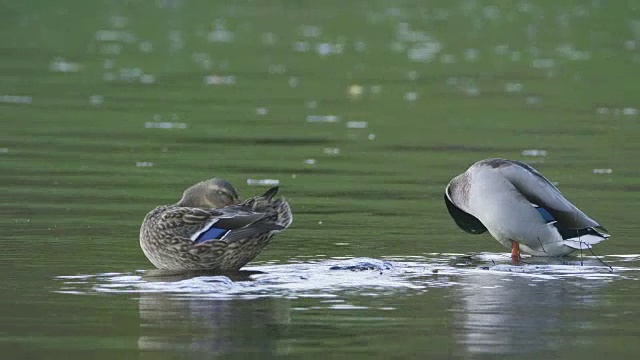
(545, 215)
(213, 233)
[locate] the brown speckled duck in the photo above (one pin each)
(209, 228)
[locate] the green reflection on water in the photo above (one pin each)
(73, 195)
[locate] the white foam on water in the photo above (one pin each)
(328, 278)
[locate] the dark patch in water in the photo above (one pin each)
(356, 211)
(430, 79)
(273, 141)
(449, 148)
(367, 195)
(604, 187)
(556, 131)
(157, 275)
(278, 171)
(364, 266)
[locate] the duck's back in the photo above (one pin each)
(167, 234)
(243, 245)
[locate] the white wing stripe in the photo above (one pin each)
(211, 222)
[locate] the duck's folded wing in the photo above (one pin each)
(252, 231)
(540, 191)
(234, 218)
(192, 222)
(243, 223)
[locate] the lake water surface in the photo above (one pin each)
(363, 111)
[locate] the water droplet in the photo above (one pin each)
(59, 64)
(96, 100)
(311, 31)
(543, 63)
(15, 99)
(164, 125)
(301, 46)
(220, 34)
(630, 45)
(411, 96)
(331, 151)
(424, 52)
(512, 87)
(262, 182)
(109, 77)
(147, 79)
(108, 64)
(323, 118)
(325, 49)
(471, 90)
(447, 58)
(355, 91)
(146, 47)
(471, 55)
(375, 89)
(534, 152)
(269, 38)
(532, 100)
(277, 69)
(502, 49)
(220, 80)
(357, 124)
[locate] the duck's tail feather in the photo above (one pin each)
(277, 218)
(283, 210)
(269, 194)
(583, 238)
(260, 203)
(276, 210)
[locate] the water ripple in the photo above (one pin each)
(362, 276)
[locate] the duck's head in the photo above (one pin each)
(212, 193)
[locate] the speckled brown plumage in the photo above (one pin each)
(165, 234)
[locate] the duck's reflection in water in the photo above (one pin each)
(210, 326)
(501, 314)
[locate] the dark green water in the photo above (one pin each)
(110, 108)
